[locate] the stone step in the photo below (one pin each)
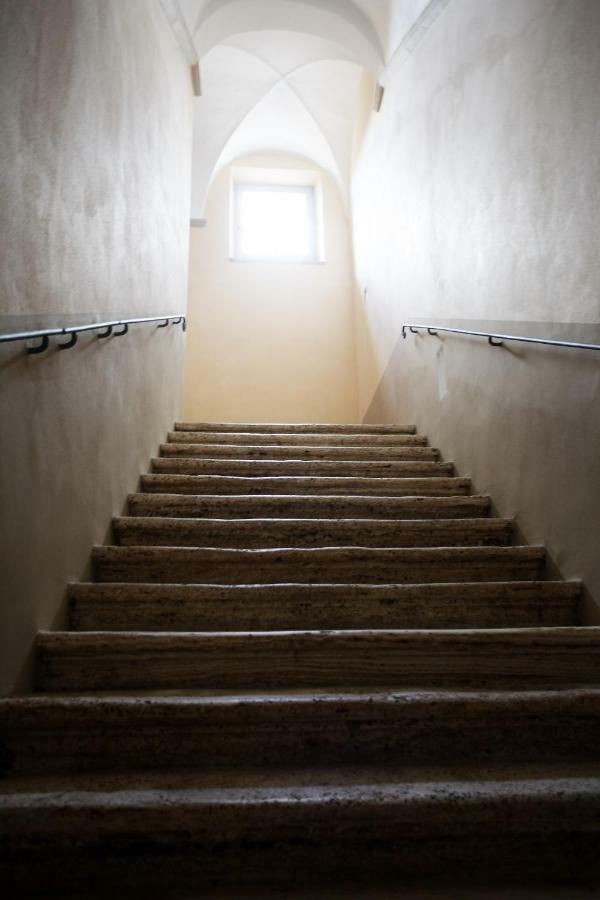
(194, 565)
(519, 657)
(293, 428)
(317, 440)
(321, 826)
(268, 452)
(155, 531)
(305, 507)
(144, 731)
(288, 607)
(382, 487)
(250, 468)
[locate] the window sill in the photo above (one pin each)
(286, 262)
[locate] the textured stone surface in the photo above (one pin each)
(382, 487)
(251, 468)
(246, 660)
(201, 828)
(213, 607)
(291, 440)
(311, 506)
(78, 733)
(292, 428)
(363, 453)
(264, 533)
(366, 565)
(250, 623)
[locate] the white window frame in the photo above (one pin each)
(309, 190)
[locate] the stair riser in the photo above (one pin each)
(292, 428)
(172, 607)
(274, 453)
(165, 859)
(378, 487)
(140, 735)
(155, 565)
(256, 615)
(308, 507)
(291, 440)
(259, 533)
(274, 661)
(289, 468)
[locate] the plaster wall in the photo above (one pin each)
(268, 341)
(475, 202)
(95, 102)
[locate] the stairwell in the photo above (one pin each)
(312, 660)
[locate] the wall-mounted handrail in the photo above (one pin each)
(105, 329)
(495, 339)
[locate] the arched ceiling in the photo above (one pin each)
(340, 20)
(281, 76)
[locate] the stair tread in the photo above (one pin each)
(302, 505)
(291, 590)
(301, 786)
(563, 634)
(272, 468)
(525, 551)
(354, 564)
(100, 731)
(302, 439)
(297, 453)
(337, 657)
(298, 484)
(291, 427)
(200, 607)
(319, 532)
(29, 709)
(184, 521)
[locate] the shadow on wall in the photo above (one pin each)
(78, 428)
(521, 421)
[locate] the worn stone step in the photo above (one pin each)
(215, 607)
(383, 487)
(250, 468)
(155, 531)
(75, 733)
(173, 607)
(201, 829)
(194, 565)
(266, 452)
(317, 440)
(293, 428)
(305, 507)
(524, 657)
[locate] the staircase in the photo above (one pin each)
(312, 660)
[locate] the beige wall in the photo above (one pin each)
(269, 342)
(476, 200)
(94, 159)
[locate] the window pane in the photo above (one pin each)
(275, 224)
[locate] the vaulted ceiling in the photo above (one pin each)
(282, 76)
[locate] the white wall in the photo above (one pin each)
(95, 103)
(478, 187)
(269, 341)
(476, 200)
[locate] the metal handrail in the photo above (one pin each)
(496, 340)
(106, 329)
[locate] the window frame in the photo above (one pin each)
(240, 186)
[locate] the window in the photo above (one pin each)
(275, 222)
